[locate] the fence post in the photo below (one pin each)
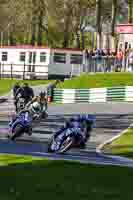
(0, 70)
(95, 68)
(11, 71)
(24, 72)
(2, 74)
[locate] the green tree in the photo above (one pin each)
(113, 22)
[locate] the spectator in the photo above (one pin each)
(119, 59)
(130, 61)
(126, 55)
(99, 53)
(87, 53)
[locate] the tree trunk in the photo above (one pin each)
(42, 7)
(83, 39)
(33, 35)
(78, 39)
(39, 36)
(113, 22)
(34, 22)
(66, 39)
(66, 33)
(130, 11)
(98, 24)
(114, 12)
(12, 40)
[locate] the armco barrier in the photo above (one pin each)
(115, 94)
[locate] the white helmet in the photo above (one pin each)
(35, 107)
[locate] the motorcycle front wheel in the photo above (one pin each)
(64, 146)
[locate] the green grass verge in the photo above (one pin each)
(98, 80)
(6, 159)
(122, 146)
(61, 180)
(7, 84)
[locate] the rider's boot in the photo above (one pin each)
(82, 145)
(29, 131)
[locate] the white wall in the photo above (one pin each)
(43, 68)
(18, 66)
(62, 68)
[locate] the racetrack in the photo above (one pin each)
(111, 119)
(109, 122)
(107, 126)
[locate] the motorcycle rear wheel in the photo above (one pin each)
(18, 131)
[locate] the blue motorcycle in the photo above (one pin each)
(19, 125)
(72, 136)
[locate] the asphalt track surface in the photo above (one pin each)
(111, 119)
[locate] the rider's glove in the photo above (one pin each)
(36, 116)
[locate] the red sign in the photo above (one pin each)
(125, 28)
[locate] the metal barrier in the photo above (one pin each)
(90, 65)
(101, 64)
(23, 71)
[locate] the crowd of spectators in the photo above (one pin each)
(123, 59)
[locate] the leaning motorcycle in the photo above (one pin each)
(20, 125)
(68, 138)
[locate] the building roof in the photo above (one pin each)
(37, 47)
(124, 28)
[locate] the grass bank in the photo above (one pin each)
(122, 146)
(98, 80)
(27, 178)
(7, 84)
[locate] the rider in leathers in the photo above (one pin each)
(38, 105)
(36, 108)
(81, 125)
(24, 92)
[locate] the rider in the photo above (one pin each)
(38, 105)
(81, 124)
(17, 93)
(36, 108)
(28, 93)
(24, 92)
(15, 88)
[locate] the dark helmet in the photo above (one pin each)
(26, 85)
(42, 94)
(17, 85)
